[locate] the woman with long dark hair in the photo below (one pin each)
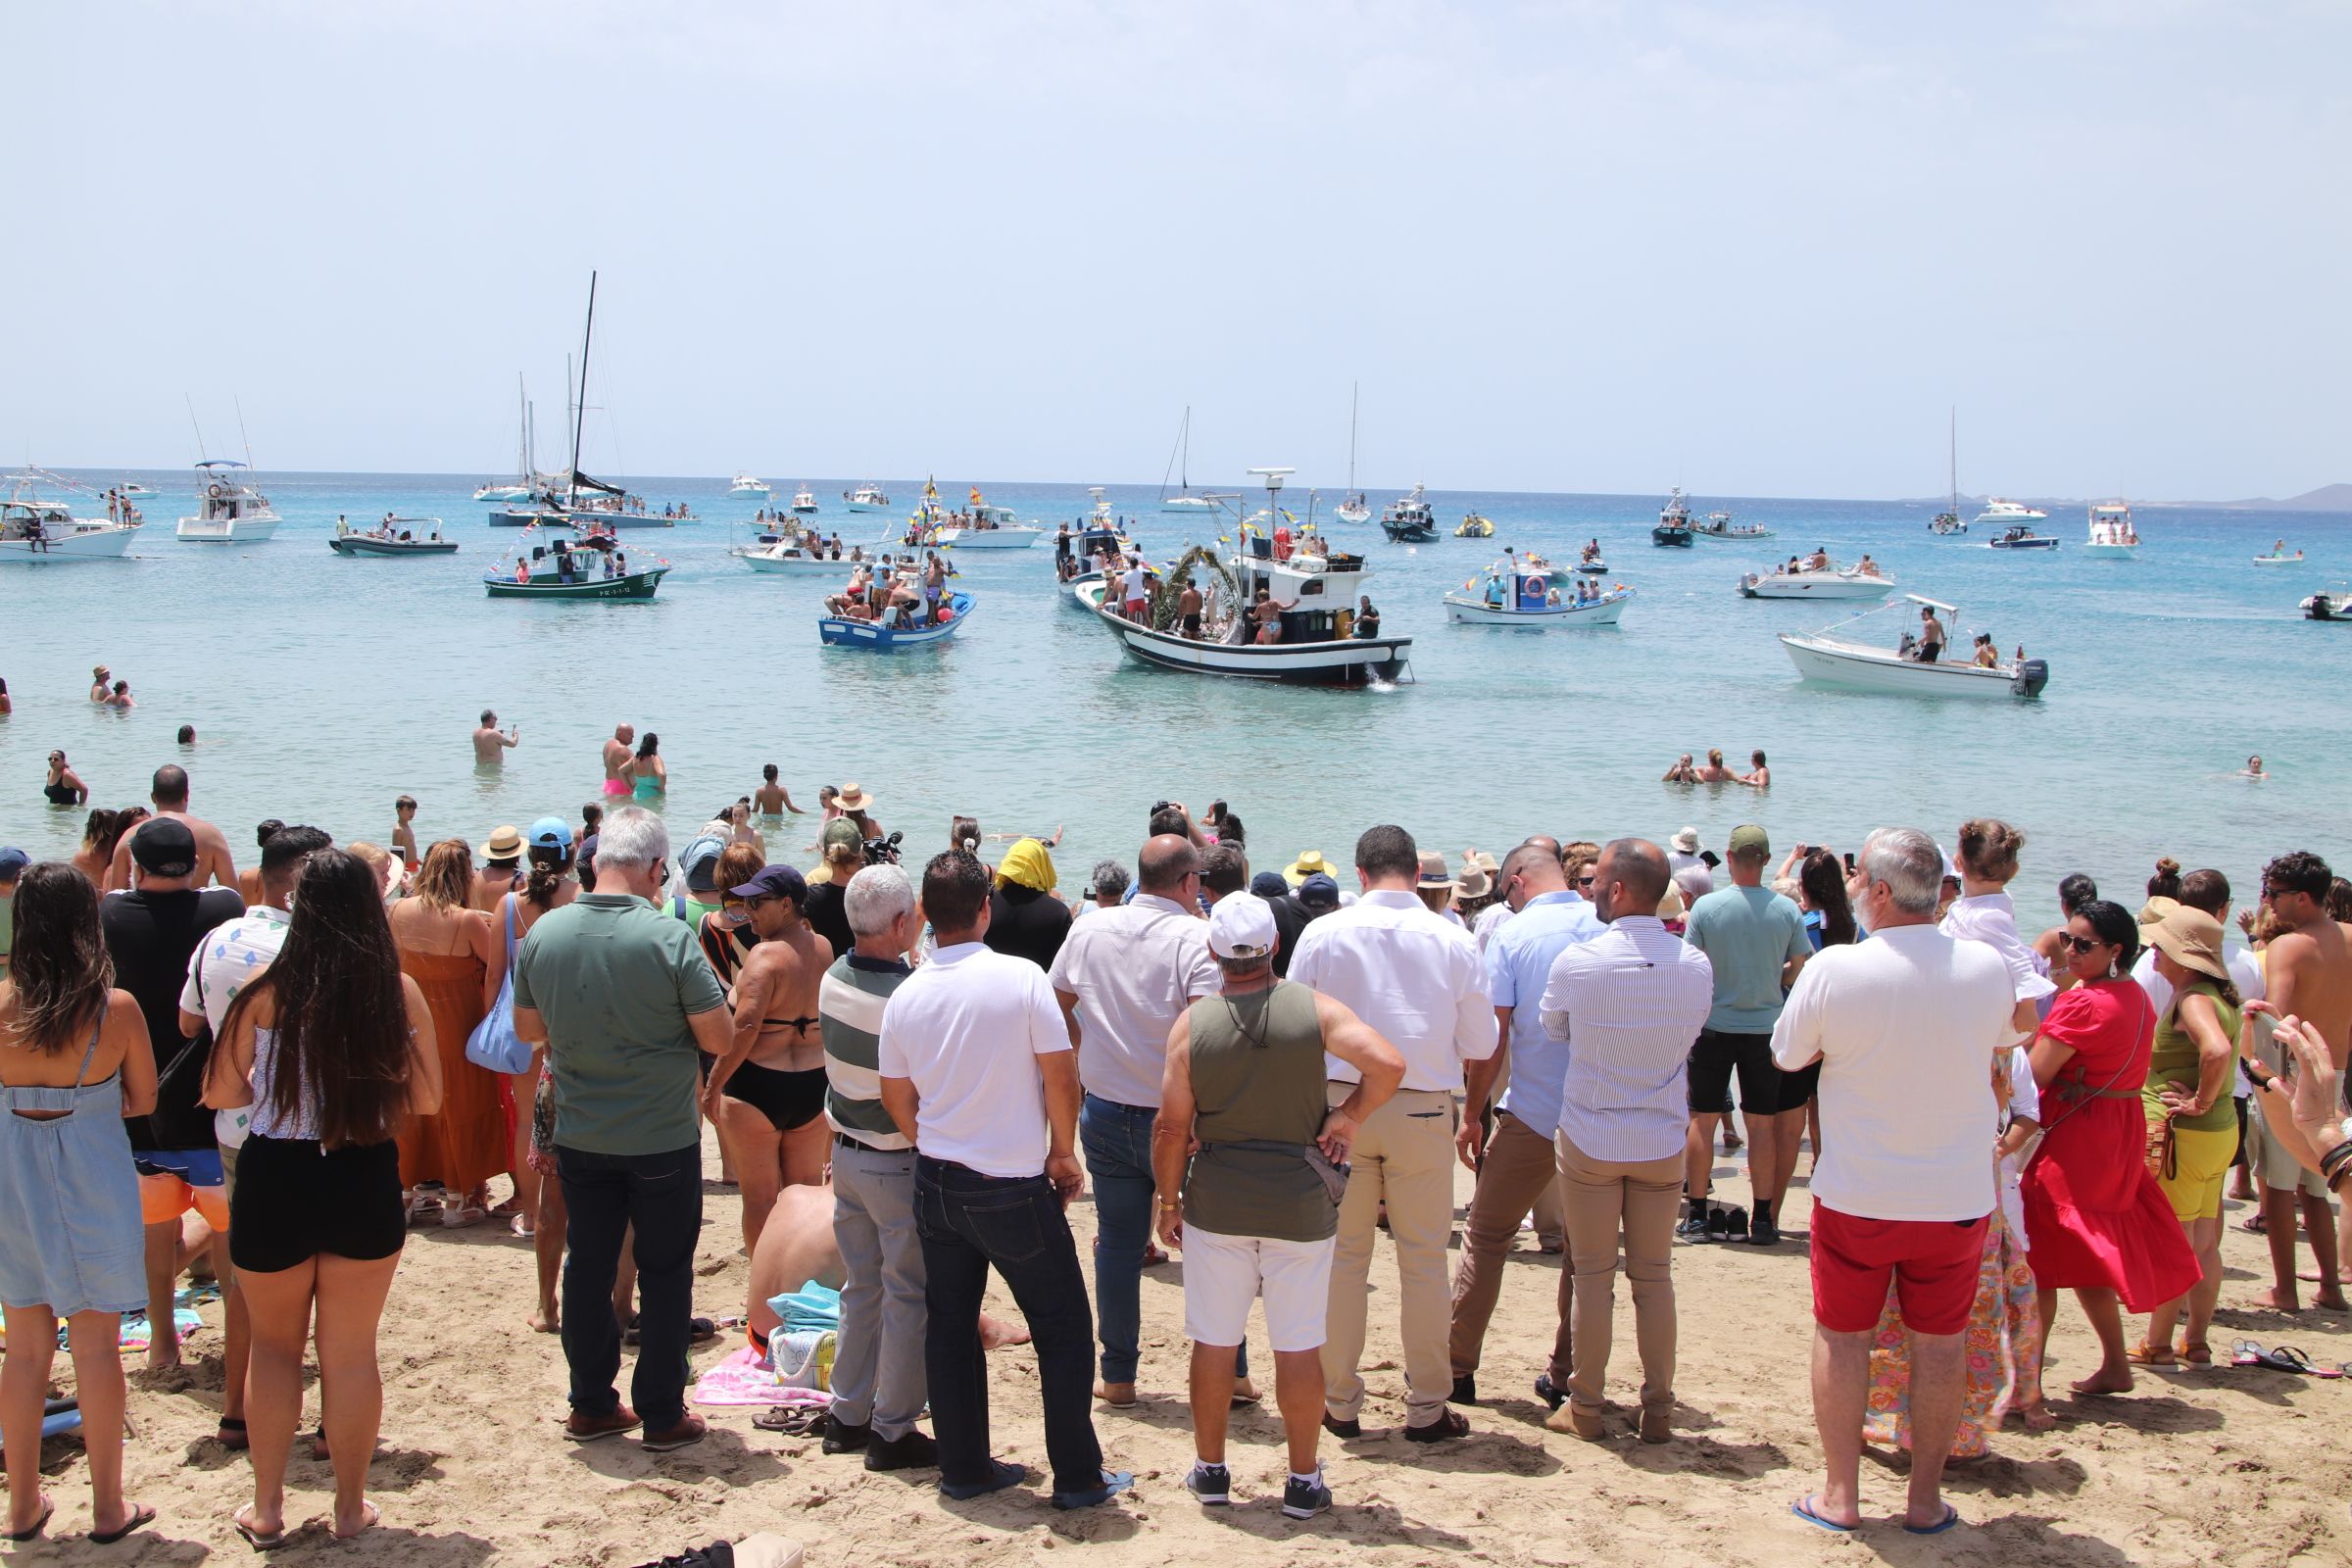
(1821, 889)
(74, 1062)
(650, 777)
(333, 1046)
(118, 826)
(2075, 890)
(447, 948)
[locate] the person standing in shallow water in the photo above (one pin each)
(490, 743)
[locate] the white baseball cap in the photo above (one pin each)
(1241, 926)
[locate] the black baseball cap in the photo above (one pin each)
(163, 846)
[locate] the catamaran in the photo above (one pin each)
(574, 499)
(229, 510)
(1354, 508)
(1828, 659)
(1180, 462)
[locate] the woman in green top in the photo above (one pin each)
(2192, 1128)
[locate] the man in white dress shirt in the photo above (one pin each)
(1415, 978)
(1626, 1007)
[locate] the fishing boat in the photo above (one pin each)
(573, 500)
(1407, 519)
(1674, 529)
(1719, 526)
(1999, 513)
(804, 501)
(1183, 501)
(1948, 522)
(575, 570)
(517, 488)
(36, 531)
(394, 536)
(1829, 659)
(229, 510)
(1076, 552)
(867, 497)
(2017, 537)
(2278, 557)
(744, 484)
(1475, 527)
(1530, 593)
(1352, 508)
(836, 631)
(1813, 582)
(1314, 598)
(2111, 530)
(2327, 606)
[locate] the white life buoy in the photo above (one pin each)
(218, 491)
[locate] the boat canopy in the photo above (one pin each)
(1933, 603)
(219, 462)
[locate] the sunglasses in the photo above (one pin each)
(1585, 881)
(2081, 944)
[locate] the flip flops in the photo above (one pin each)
(141, 1516)
(2283, 1358)
(33, 1529)
(254, 1537)
(1802, 1507)
(1951, 1517)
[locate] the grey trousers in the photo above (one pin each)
(878, 1371)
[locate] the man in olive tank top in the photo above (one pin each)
(1259, 1205)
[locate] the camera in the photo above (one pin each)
(882, 852)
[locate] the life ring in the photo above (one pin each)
(218, 491)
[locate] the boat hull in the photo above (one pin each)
(801, 565)
(1858, 666)
(392, 547)
(242, 532)
(1354, 662)
(1670, 538)
(1353, 514)
(1413, 533)
(95, 544)
(2023, 544)
(1187, 504)
(636, 585)
(1828, 586)
(989, 538)
(872, 638)
(2279, 561)
(2113, 552)
(867, 506)
(501, 492)
(1730, 538)
(557, 517)
(1478, 613)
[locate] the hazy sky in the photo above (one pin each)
(1743, 248)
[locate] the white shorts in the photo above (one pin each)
(1224, 1274)
(2276, 1168)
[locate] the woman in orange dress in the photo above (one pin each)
(458, 963)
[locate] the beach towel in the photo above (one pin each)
(812, 1307)
(134, 1329)
(743, 1378)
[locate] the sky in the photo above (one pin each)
(1747, 249)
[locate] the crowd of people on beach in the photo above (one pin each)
(275, 1073)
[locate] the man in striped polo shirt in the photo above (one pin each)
(879, 1384)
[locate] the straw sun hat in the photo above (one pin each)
(2190, 938)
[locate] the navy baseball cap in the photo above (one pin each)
(1269, 885)
(775, 882)
(12, 863)
(1319, 892)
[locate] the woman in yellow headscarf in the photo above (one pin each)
(1024, 917)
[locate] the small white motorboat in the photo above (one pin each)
(35, 531)
(501, 492)
(1833, 581)
(1828, 659)
(1530, 593)
(804, 501)
(2278, 557)
(784, 556)
(228, 509)
(1720, 527)
(2002, 513)
(2111, 531)
(867, 498)
(744, 484)
(2327, 606)
(2017, 537)
(1019, 536)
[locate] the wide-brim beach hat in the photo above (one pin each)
(1687, 841)
(2191, 939)
(1475, 882)
(852, 797)
(1308, 863)
(505, 843)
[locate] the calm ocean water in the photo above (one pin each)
(321, 688)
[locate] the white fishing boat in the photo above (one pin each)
(1530, 593)
(1999, 513)
(1808, 581)
(1408, 519)
(1830, 659)
(792, 556)
(1674, 531)
(2278, 557)
(1018, 536)
(1315, 600)
(2112, 532)
(867, 498)
(1720, 528)
(744, 484)
(804, 501)
(35, 531)
(229, 510)
(1352, 507)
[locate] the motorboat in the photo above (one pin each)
(1829, 659)
(229, 510)
(1674, 523)
(1806, 582)
(501, 492)
(1407, 519)
(2017, 537)
(867, 498)
(1078, 552)
(394, 536)
(744, 484)
(1999, 513)
(35, 531)
(804, 501)
(1313, 615)
(803, 554)
(1719, 526)
(1530, 593)
(883, 637)
(135, 490)
(2327, 606)
(592, 567)
(1352, 507)
(990, 529)
(2111, 530)
(1475, 527)
(2278, 557)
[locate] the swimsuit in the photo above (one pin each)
(616, 786)
(60, 794)
(788, 1100)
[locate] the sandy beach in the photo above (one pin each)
(2200, 1466)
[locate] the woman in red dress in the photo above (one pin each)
(2098, 1222)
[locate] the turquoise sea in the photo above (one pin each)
(321, 688)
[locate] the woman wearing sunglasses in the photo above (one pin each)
(2098, 1222)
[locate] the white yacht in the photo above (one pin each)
(517, 488)
(229, 510)
(1807, 580)
(1829, 659)
(804, 501)
(2000, 513)
(868, 496)
(744, 484)
(35, 531)
(2111, 530)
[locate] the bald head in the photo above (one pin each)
(1530, 871)
(1547, 843)
(1630, 878)
(1167, 858)
(170, 791)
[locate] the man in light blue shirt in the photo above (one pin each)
(1518, 1162)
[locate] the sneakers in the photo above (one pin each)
(1211, 1484)
(843, 1438)
(1763, 1231)
(1001, 1476)
(1465, 1389)
(1449, 1424)
(1550, 1392)
(1114, 1482)
(1303, 1500)
(1694, 1226)
(916, 1451)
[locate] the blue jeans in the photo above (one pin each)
(603, 1195)
(1116, 1141)
(969, 1223)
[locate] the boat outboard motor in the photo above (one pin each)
(2033, 674)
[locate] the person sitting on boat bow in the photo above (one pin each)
(1868, 567)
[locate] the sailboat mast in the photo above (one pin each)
(1184, 461)
(1954, 452)
(579, 419)
(1354, 388)
(522, 432)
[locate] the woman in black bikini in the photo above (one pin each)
(64, 786)
(767, 1094)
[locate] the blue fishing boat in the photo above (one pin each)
(880, 637)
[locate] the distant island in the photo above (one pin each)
(2327, 498)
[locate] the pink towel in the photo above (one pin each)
(743, 1378)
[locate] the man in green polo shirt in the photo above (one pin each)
(626, 1005)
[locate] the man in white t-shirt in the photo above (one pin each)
(1131, 591)
(977, 1072)
(1906, 1027)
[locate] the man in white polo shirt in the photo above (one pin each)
(1123, 978)
(978, 1075)
(1906, 1027)
(1414, 977)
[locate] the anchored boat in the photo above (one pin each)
(1719, 526)
(1530, 593)
(591, 568)
(1352, 507)
(35, 531)
(2002, 513)
(394, 536)
(1833, 581)
(2019, 537)
(868, 496)
(1407, 519)
(804, 501)
(2327, 606)
(1833, 661)
(229, 510)
(744, 484)
(1674, 523)
(2111, 530)
(889, 636)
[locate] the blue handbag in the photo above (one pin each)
(494, 1044)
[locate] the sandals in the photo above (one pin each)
(2147, 1354)
(455, 1217)
(2283, 1358)
(254, 1537)
(34, 1529)
(141, 1516)
(794, 1420)
(2196, 1352)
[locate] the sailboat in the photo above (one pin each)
(573, 499)
(1352, 508)
(519, 487)
(1179, 460)
(1947, 522)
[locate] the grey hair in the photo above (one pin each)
(876, 898)
(1909, 862)
(1695, 882)
(1109, 876)
(632, 838)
